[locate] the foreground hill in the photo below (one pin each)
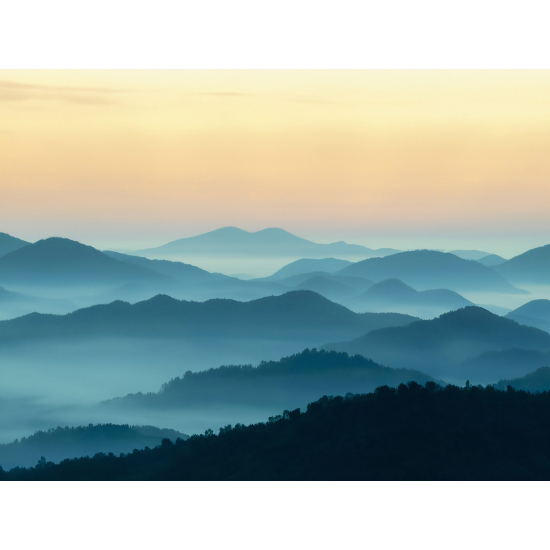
(531, 267)
(395, 295)
(60, 443)
(538, 381)
(9, 243)
(232, 241)
(428, 269)
(14, 304)
(294, 314)
(438, 346)
(535, 313)
(291, 382)
(412, 433)
(64, 263)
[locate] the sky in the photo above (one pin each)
(404, 159)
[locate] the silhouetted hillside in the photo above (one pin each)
(291, 382)
(14, 304)
(438, 346)
(394, 295)
(308, 265)
(427, 269)
(412, 433)
(9, 243)
(491, 260)
(538, 381)
(535, 313)
(531, 267)
(492, 366)
(232, 241)
(65, 263)
(291, 315)
(60, 443)
(327, 287)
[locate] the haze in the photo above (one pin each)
(403, 159)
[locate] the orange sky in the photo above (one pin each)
(382, 158)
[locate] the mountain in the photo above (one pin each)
(409, 433)
(60, 443)
(437, 347)
(291, 315)
(510, 363)
(64, 263)
(14, 304)
(232, 241)
(428, 269)
(535, 313)
(538, 381)
(9, 244)
(186, 273)
(470, 254)
(531, 267)
(291, 382)
(491, 260)
(394, 295)
(327, 287)
(308, 265)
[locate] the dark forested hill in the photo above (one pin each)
(439, 345)
(291, 382)
(9, 243)
(428, 269)
(408, 433)
(531, 267)
(291, 315)
(57, 444)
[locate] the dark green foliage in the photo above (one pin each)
(409, 433)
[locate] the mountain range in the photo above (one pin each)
(531, 267)
(290, 382)
(15, 304)
(535, 313)
(428, 269)
(291, 315)
(394, 295)
(439, 346)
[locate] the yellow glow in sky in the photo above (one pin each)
(157, 155)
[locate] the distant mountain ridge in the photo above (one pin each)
(437, 347)
(429, 269)
(531, 267)
(289, 315)
(535, 313)
(228, 241)
(63, 262)
(394, 295)
(9, 244)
